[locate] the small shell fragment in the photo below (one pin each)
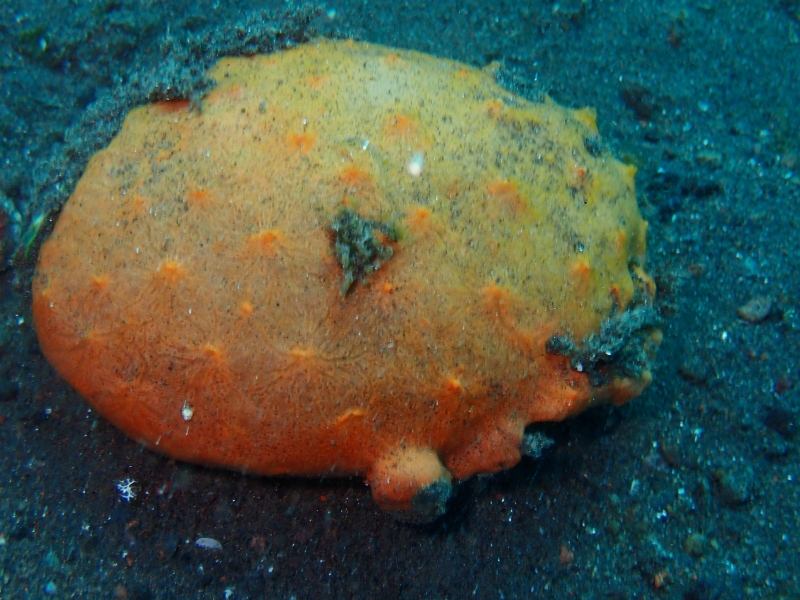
(416, 164)
(756, 309)
(207, 543)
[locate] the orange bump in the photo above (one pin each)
(419, 219)
(89, 336)
(401, 126)
(587, 116)
(100, 282)
(617, 296)
(578, 175)
(301, 141)
(384, 239)
(508, 195)
(303, 353)
(454, 385)
(494, 108)
(230, 93)
(451, 392)
(135, 206)
(622, 390)
(645, 283)
(582, 271)
(315, 82)
(353, 412)
(496, 300)
(199, 198)
(163, 155)
(171, 271)
(170, 106)
(213, 352)
(393, 59)
(355, 179)
(246, 307)
(211, 372)
(628, 175)
(384, 291)
(621, 239)
(267, 241)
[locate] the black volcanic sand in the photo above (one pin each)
(691, 491)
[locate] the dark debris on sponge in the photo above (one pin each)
(617, 350)
(357, 247)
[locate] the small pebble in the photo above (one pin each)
(51, 560)
(709, 158)
(696, 545)
(775, 447)
(9, 390)
(756, 309)
(671, 453)
(639, 99)
(534, 444)
(120, 592)
(696, 369)
(790, 160)
(781, 421)
(734, 487)
(613, 527)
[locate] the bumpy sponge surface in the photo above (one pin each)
(347, 259)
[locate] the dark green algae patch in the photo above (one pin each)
(360, 245)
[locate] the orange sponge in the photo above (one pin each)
(348, 259)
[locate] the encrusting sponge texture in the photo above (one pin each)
(348, 259)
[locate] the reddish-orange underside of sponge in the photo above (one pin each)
(191, 289)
